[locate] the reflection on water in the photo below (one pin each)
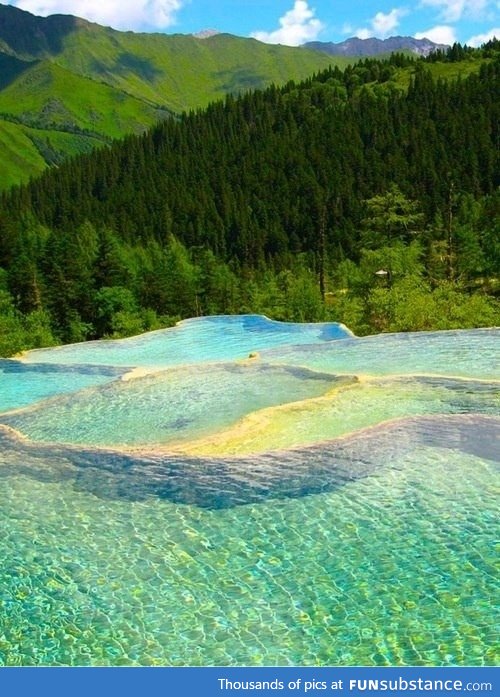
(316, 521)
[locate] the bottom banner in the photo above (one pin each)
(222, 682)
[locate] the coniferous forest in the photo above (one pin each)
(350, 197)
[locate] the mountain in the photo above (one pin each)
(374, 47)
(177, 72)
(67, 84)
(206, 33)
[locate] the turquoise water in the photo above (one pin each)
(193, 341)
(168, 406)
(22, 384)
(356, 405)
(199, 402)
(396, 566)
(358, 526)
(470, 353)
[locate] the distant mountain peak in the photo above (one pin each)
(206, 33)
(371, 47)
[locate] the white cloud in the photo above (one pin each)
(297, 26)
(441, 34)
(382, 25)
(481, 39)
(121, 14)
(454, 10)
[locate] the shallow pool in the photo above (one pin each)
(165, 500)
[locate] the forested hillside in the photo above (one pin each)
(286, 201)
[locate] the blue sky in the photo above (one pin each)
(291, 22)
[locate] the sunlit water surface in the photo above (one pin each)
(22, 384)
(470, 354)
(197, 340)
(170, 405)
(310, 520)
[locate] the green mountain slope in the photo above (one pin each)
(48, 113)
(177, 71)
(26, 152)
(63, 73)
(183, 72)
(10, 69)
(20, 158)
(48, 96)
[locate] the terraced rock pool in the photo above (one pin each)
(167, 500)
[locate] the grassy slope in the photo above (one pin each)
(183, 72)
(445, 71)
(47, 95)
(19, 157)
(452, 71)
(52, 103)
(23, 150)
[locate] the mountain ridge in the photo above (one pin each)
(356, 47)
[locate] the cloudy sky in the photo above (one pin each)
(291, 22)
